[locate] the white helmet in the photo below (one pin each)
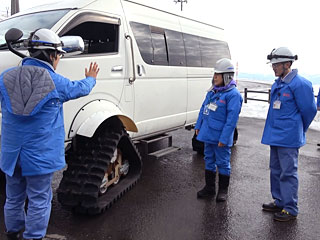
(224, 65)
(281, 54)
(44, 39)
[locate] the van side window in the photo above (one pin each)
(193, 52)
(99, 33)
(212, 50)
(142, 35)
(162, 46)
(160, 55)
(176, 52)
(151, 42)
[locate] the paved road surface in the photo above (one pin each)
(163, 205)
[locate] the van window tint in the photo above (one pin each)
(98, 37)
(212, 50)
(159, 46)
(193, 52)
(142, 35)
(162, 46)
(176, 52)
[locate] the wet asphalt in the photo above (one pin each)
(163, 204)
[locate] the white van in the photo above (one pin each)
(155, 68)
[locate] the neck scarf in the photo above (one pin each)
(220, 89)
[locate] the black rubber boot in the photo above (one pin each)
(223, 188)
(209, 189)
(13, 235)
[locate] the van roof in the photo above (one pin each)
(180, 16)
(70, 4)
(77, 4)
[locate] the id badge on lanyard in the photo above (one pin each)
(206, 110)
(277, 103)
(213, 106)
(210, 107)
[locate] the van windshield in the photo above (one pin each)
(30, 22)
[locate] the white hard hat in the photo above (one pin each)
(281, 54)
(224, 65)
(45, 39)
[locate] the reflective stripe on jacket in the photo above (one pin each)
(32, 116)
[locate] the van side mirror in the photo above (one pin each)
(73, 45)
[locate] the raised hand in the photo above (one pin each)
(93, 70)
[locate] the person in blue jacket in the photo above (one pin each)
(32, 137)
(291, 111)
(318, 108)
(215, 127)
(318, 101)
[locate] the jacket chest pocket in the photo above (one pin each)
(221, 111)
(288, 103)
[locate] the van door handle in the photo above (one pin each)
(117, 69)
(140, 70)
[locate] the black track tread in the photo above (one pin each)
(79, 187)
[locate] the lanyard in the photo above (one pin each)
(277, 102)
(277, 90)
(215, 97)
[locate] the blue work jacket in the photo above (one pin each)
(32, 116)
(286, 127)
(318, 99)
(218, 126)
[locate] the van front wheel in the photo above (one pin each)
(92, 181)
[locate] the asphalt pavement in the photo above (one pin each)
(163, 205)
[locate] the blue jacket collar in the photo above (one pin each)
(37, 62)
(287, 79)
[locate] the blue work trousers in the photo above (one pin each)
(284, 177)
(215, 156)
(39, 193)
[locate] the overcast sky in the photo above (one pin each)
(253, 27)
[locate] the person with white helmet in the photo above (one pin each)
(291, 111)
(32, 137)
(215, 127)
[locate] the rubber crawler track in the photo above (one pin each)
(79, 187)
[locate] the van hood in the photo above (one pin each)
(65, 4)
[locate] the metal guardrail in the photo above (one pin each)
(246, 91)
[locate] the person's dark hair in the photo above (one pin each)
(43, 55)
